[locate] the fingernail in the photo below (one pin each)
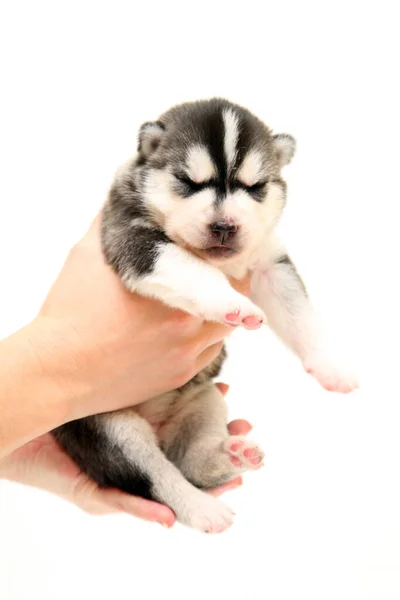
(164, 525)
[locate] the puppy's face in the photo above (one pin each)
(211, 177)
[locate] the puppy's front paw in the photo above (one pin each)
(332, 376)
(237, 310)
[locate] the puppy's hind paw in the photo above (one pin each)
(243, 453)
(209, 515)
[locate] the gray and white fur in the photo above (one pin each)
(198, 204)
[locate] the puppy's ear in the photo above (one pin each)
(149, 139)
(285, 146)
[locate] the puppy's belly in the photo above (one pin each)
(167, 412)
(160, 410)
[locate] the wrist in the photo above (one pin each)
(37, 387)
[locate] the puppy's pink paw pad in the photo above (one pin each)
(244, 454)
(253, 455)
(233, 316)
(252, 322)
(236, 447)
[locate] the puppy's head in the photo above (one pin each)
(211, 177)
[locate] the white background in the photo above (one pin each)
(321, 520)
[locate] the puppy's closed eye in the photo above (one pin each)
(190, 184)
(256, 189)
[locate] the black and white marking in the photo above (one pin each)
(198, 204)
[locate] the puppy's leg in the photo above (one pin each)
(122, 451)
(138, 445)
(280, 292)
(200, 444)
(151, 264)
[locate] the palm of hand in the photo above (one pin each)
(43, 464)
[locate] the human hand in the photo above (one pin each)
(110, 348)
(42, 463)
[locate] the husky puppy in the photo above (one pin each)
(198, 204)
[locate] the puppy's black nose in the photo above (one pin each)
(223, 231)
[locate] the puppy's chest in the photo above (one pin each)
(237, 270)
(249, 263)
